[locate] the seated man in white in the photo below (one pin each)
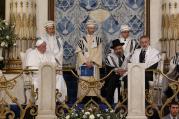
(173, 73)
(38, 56)
(148, 55)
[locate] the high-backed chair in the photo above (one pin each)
(26, 77)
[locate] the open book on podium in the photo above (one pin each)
(85, 71)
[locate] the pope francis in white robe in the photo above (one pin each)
(35, 58)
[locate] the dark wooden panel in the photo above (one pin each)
(147, 17)
(51, 8)
(2, 9)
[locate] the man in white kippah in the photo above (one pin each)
(54, 42)
(91, 23)
(89, 56)
(55, 47)
(49, 23)
(38, 56)
(130, 44)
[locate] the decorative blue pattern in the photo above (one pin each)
(72, 15)
(68, 50)
(137, 25)
(83, 24)
(111, 4)
(111, 25)
(65, 26)
(64, 4)
(135, 4)
(88, 4)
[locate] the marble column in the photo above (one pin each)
(136, 91)
(42, 16)
(155, 23)
(47, 88)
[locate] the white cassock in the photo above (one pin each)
(34, 60)
(129, 46)
(55, 46)
(152, 56)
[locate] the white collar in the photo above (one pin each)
(42, 57)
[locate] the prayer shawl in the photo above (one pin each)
(129, 46)
(55, 46)
(152, 56)
(92, 53)
(89, 48)
(112, 60)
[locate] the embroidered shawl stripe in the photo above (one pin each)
(112, 60)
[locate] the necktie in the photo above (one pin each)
(142, 56)
(174, 117)
(120, 60)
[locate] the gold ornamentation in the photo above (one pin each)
(4, 84)
(5, 110)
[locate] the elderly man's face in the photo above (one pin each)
(42, 48)
(174, 110)
(50, 30)
(118, 50)
(90, 29)
(125, 34)
(144, 42)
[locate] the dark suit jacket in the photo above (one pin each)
(168, 117)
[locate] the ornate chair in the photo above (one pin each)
(26, 77)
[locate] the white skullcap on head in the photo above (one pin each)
(91, 23)
(125, 28)
(49, 23)
(39, 42)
